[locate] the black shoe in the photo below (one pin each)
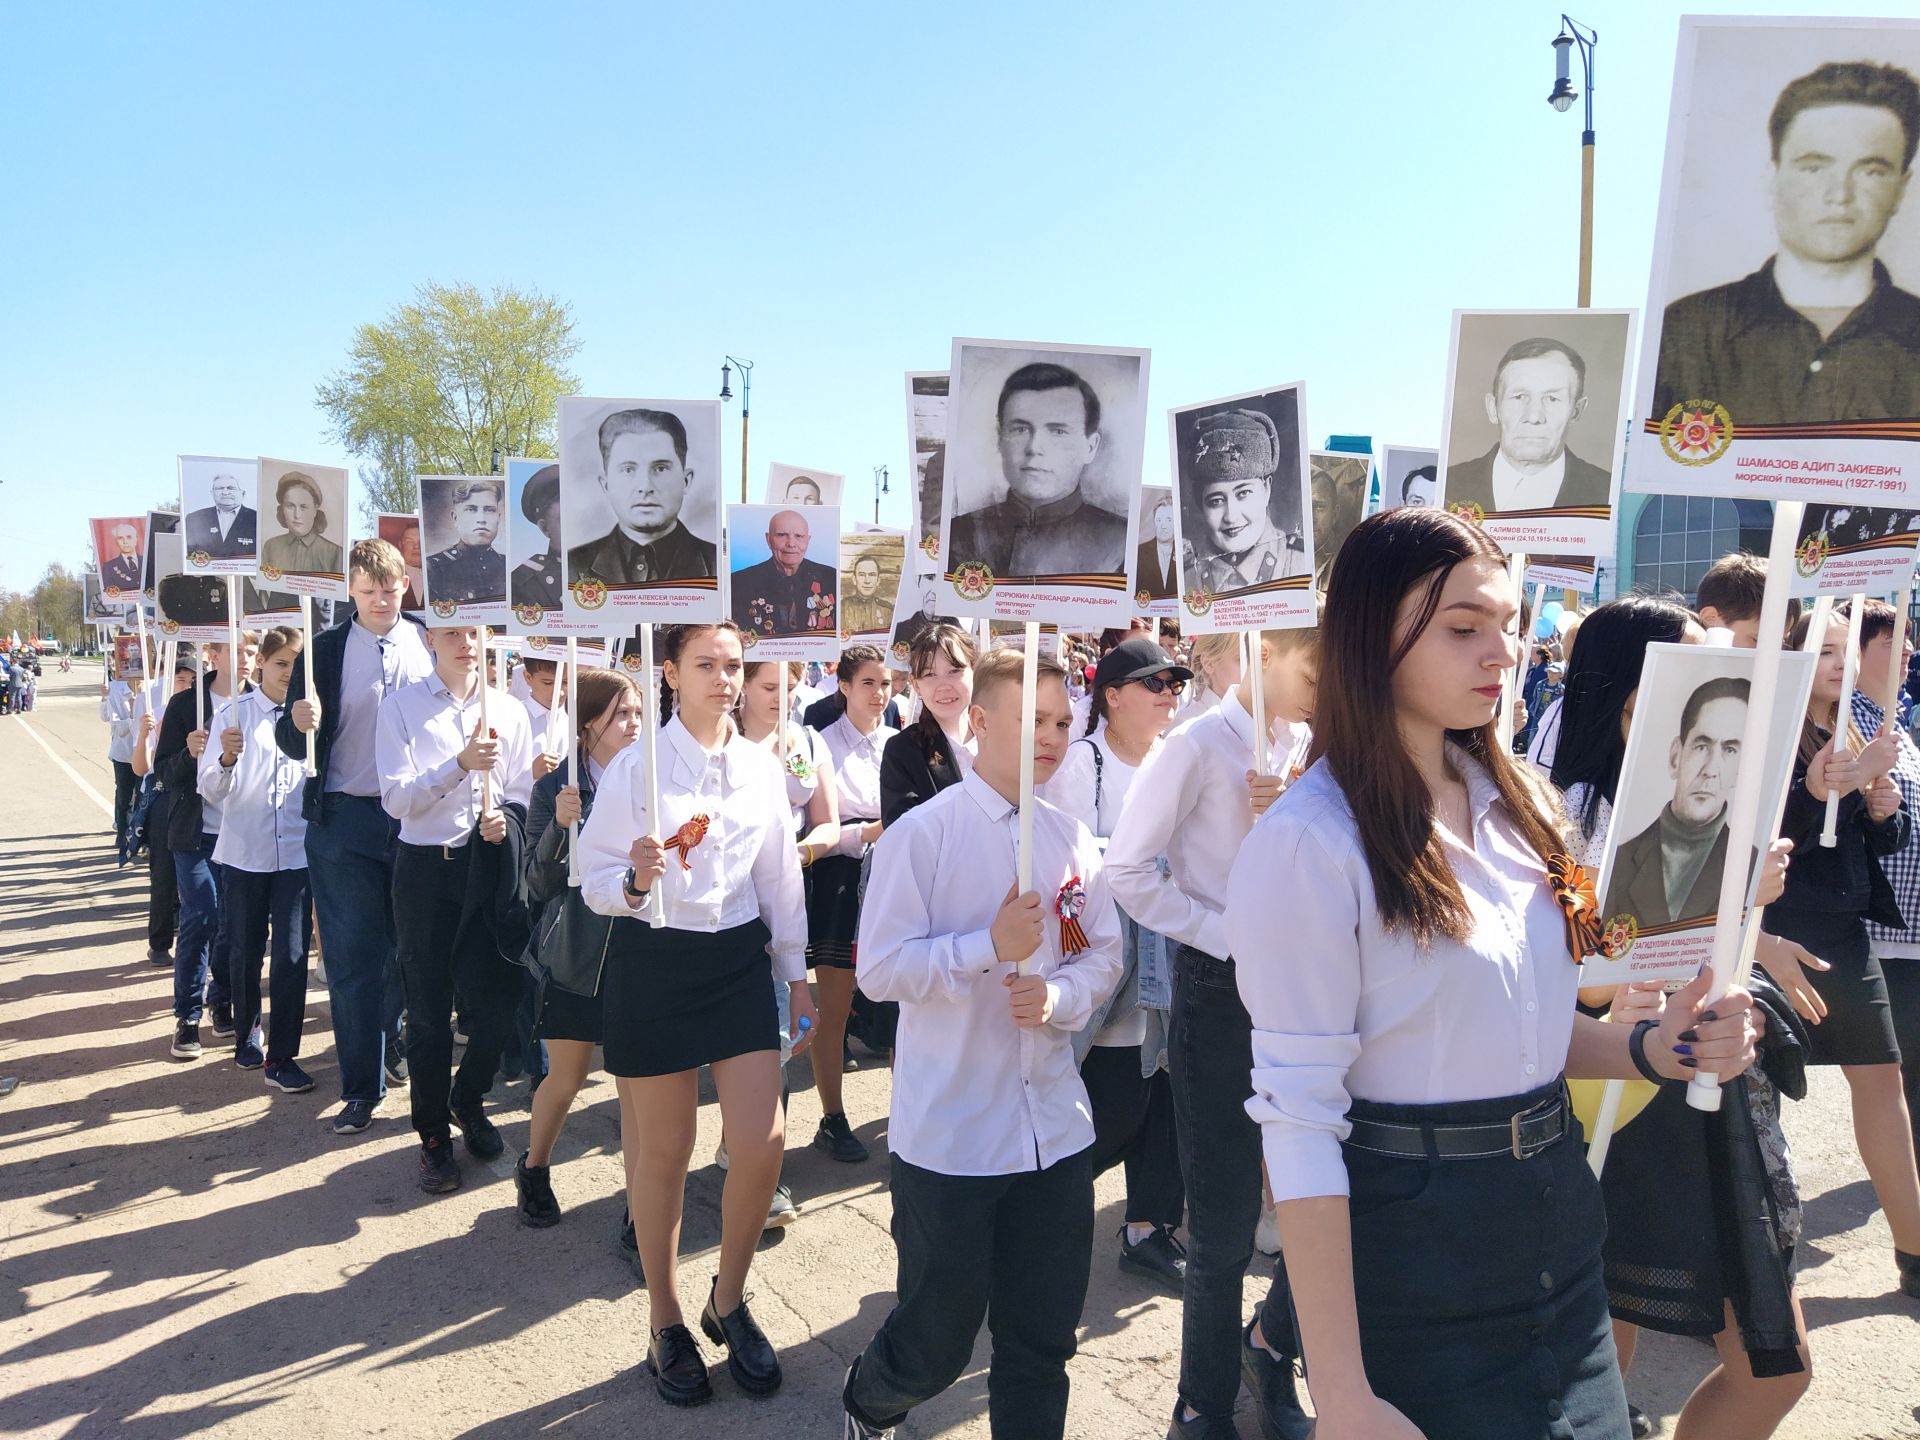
(396, 1068)
(354, 1116)
(538, 1208)
(159, 958)
(680, 1375)
(1638, 1422)
(439, 1171)
(223, 1021)
(836, 1137)
(750, 1358)
(1158, 1257)
(483, 1141)
(629, 1247)
(1271, 1384)
(186, 1041)
(1909, 1272)
(1201, 1427)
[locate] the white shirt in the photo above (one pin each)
(1546, 739)
(856, 777)
(1514, 491)
(261, 827)
(151, 701)
(224, 520)
(1343, 1010)
(116, 708)
(1190, 804)
(369, 673)
(745, 866)
(422, 731)
(1079, 782)
(974, 1093)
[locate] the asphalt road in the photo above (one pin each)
(185, 1252)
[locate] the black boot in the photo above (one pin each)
(538, 1208)
(750, 1358)
(1909, 1272)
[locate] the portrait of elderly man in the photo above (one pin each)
(226, 529)
(1672, 869)
(1539, 389)
(470, 571)
(1154, 572)
(120, 570)
(1819, 332)
(538, 581)
(1048, 428)
(868, 610)
(644, 475)
(786, 594)
(409, 546)
(1232, 539)
(304, 549)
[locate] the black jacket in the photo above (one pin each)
(176, 770)
(329, 660)
(913, 769)
(1846, 880)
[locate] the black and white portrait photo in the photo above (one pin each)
(801, 487)
(303, 528)
(1668, 842)
(1238, 476)
(1338, 482)
(1847, 549)
(219, 514)
(159, 522)
(784, 578)
(927, 449)
(916, 610)
(872, 562)
(536, 574)
(640, 507)
(1156, 565)
(1409, 476)
(1785, 303)
(1534, 423)
(462, 525)
(192, 607)
(1042, 470)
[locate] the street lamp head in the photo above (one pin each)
(1563, 96)
(1563, 91)
(726, 382)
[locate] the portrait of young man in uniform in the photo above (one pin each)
(644, 476)
(470, 571)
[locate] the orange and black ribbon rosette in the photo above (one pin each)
(1070, 904)
(1572, 890)
(688, 836)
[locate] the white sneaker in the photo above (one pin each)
(1266, 1235)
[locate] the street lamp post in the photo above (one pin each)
(745, 367)
(1573, 33)
(879, 489)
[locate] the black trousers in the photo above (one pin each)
(163, 901)
(1012, 1250)
(1903, 989)
(125, 782)
(1133, 1125)
(275, 902)
(429, 891)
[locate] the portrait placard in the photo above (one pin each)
(1667, 842)
(462, 518)
(219, 514)
(119, 551)
(190, 606)
(303, 529)
(1004, 633)
(535, 548)
(1535, 423)
(1563, 572)
(159, 522)
(1042, 472)
(1241, 514)
(927, 452)
(1780, 360)
(872, 561)
(640, 507)
(261, 608)
(129, 663)
(1409, 476)
(94, 605)
(783, 580)
(916, 609)
(1156, 563)
(799, 486)
(402, 531)
(1338, 481)
(1854, 550)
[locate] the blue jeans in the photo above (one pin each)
(257, 903)
(350, 863)
(200, 948)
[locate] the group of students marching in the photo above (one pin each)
(1319, 975)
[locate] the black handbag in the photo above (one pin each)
(571, 944)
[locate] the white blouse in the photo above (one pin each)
(744, 866)
(856, 774)
(261, 829)
(1342, 1009)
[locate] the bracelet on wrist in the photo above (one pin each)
(1637, 1051)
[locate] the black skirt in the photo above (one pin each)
(567, 1016)
(1858, 1029)
(1483, 1308)
(833, 911)
(686, 998)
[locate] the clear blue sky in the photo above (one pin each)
(204, 200)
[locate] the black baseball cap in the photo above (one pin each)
(1135, 659)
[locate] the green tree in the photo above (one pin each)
(443, 382)
(52, 607)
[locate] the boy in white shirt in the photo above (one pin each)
(991, 1131)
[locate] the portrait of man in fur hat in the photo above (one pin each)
(1232, 539)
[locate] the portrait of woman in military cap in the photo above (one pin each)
(1238, 482)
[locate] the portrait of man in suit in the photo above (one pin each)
(1155, 574)
(470, 571)
(1820, 332)
(228, 529)
(120, 567)
(1048, 432)
(1538, 390)
(786, 594)
(1671, 871)
(644, 475)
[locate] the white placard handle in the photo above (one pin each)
(1843, 712)
(576, 757)
(650, 737)
(1029, 682)
(306, 666)
(1503, 725)
(1257, 677)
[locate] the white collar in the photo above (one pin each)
(693, 756)
(992, 803)
(1508, 479)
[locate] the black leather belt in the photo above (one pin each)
(1522, 1135)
